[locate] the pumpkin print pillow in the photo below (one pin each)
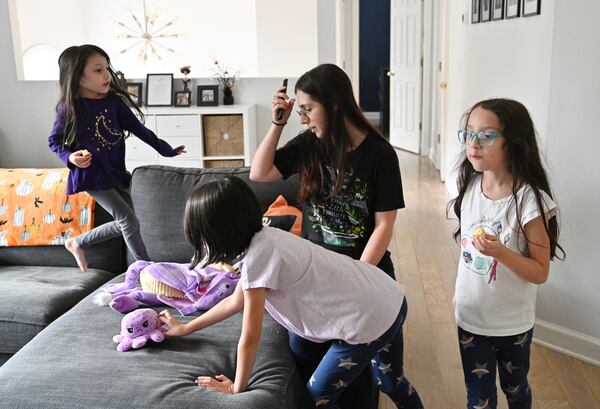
(281, 215)
(35, 210)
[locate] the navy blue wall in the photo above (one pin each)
(374, 51)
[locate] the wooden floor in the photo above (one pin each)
(425, 257)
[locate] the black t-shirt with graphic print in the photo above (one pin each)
(344, 223)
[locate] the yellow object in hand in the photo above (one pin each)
(479, 232)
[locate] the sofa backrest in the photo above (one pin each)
(108, 256)
(159, 195)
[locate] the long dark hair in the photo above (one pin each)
(524, 164)
(71, 63)
(221, 217)
(330, 86)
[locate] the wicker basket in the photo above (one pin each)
(223, 135)
(229, 163)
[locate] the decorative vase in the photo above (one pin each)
(227, 96)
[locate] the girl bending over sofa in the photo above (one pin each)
(284, 274)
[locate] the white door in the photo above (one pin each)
(442, 63)
(438, 114)
(346, 12)
(406, 74)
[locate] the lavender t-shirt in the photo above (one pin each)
(318, 294)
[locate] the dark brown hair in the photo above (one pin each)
(221, 217)
(71, 64)
(329, 85)
(524, 164)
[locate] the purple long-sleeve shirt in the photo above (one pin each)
(101, 125)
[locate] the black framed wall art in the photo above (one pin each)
(159, 90)
(512, 8)
(531, 7)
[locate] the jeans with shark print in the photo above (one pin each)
(481, 355)
(342, 363)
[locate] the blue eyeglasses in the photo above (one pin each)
(483, 138)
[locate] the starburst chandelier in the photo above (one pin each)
(147, 31)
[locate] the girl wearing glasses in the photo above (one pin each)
(350, 187)
(508, 234)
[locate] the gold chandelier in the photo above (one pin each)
(147, 31)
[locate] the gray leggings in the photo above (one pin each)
(116, 201)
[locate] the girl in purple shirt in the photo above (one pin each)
(93, 119)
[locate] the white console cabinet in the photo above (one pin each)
(222, 136)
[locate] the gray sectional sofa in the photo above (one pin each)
(73, 362)
(39, 284)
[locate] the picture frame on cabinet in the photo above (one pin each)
(512, 9)
(183, 98)
(207, 95)
(474, 11)
(485, 10)
(531, 7)
(134, 89)
(497, 9)
(159, 90)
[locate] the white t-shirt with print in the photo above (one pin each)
(503, 304)
(318, 294)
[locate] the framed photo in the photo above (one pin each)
(497, 9)
(183, 98)
(512, 8)
(531, 7)
(159, 90)
(134, 89)
(474, 11)
(485, 10)
(208, 95)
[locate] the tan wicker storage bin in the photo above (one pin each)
(223, 135)
(229, 163)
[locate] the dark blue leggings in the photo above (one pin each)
(338, 364)
(481, 355)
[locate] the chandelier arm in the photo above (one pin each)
(162, 28)
(123, 51)
(163, 46)
(154, 52)
(128, 28)
(138, 24)
(145, 17)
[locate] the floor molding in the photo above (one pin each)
(567, 341)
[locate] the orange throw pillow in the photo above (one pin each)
(280, 212)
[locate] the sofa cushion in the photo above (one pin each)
(74, 363)
(159, 195)
(33, 297)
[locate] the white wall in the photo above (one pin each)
(27, 110)
(551, 64)
(246, 35)
(506, 58)
(570, 300)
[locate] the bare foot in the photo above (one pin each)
(77, 252)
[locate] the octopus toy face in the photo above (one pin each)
(139, 322)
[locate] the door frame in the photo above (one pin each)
(347, 23)
(435, 42)
(428, 92)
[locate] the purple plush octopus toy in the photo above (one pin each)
(137, 328)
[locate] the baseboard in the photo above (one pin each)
(567, 342)
(373, 117)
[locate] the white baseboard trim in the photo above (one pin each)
(372, 117)
(567, 342)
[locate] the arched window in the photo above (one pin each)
(40, 63)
